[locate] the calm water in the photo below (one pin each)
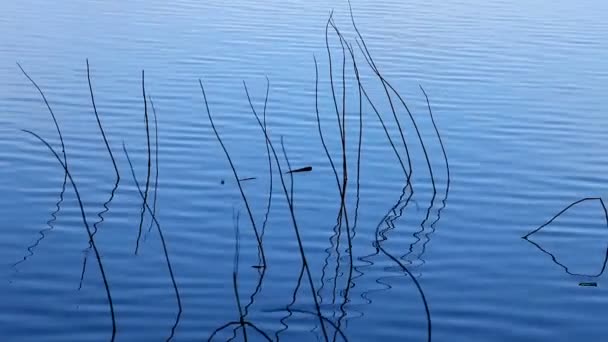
(518, 89)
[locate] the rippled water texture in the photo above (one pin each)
(518, 92)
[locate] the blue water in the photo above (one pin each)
(517, 90)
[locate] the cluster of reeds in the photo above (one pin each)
(91, 230)
(341, 164)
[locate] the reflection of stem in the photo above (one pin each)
(50, 223)
(261, 269)
(249, 324)
(336, 228)
(447, 166)
(378, 244)
(235, 276)
(293, 217)
(107, 203)
(288, 307)
(566, 268)
(106, 207)
(88, 229)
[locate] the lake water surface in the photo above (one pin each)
(518, 92)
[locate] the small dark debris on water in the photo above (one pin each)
(222, 182)
(588, 284)
(257, 266)
(302, 169)
(246, 179)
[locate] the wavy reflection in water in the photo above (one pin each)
(553, 257)
(262, 270)
(447, 188)
(242, 322)
(106, 204)
(303, 258)
(88, 229)
(385, 84)
(345, 273)
(50, 226)
(100, 216)
(51, 221)
(428, 233)
(64, 163)
(289, 306)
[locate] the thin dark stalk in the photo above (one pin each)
(236, 177)
(344, 163)
(525, 237)
(331, 162)
(393, 110)
(337, 227)
(267, 213)
(84, 267)
(54, 214)
(343, 213)
(331, 77)
(270, 190)
(238, 304)
(103, 134)
(416, 283)
(371, 62)
(155, 161)
(386, 84)
(359, 86)
(235, 276)
(163, 244)
(88, 229)
(48, 106)
(447, 166)
(149, 156)
(388, 136)
(566, 209)
(405, 269)
(293, 217)
(445, 156)
(289, 167)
